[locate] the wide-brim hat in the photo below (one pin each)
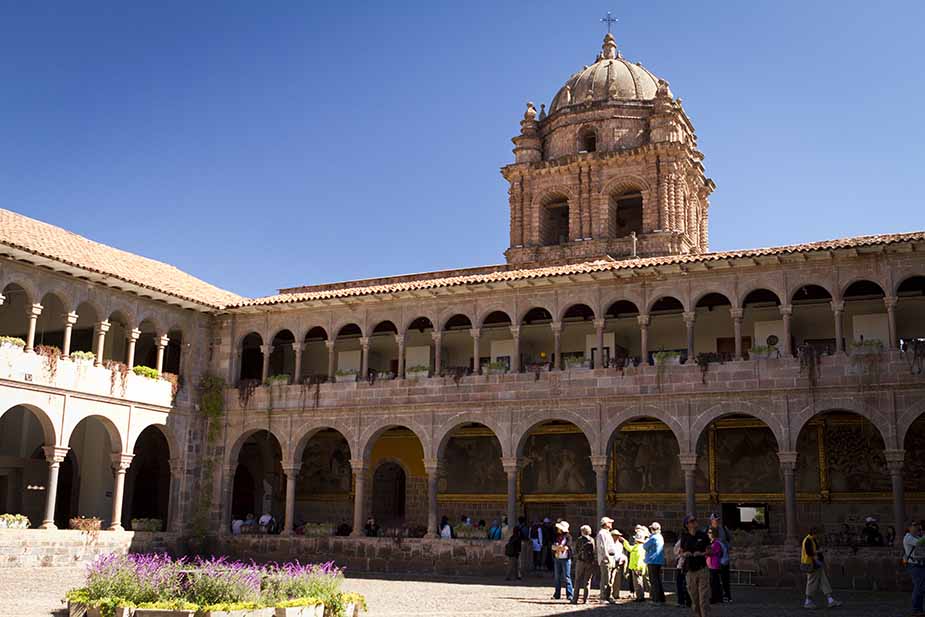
(605, 520)
(562, 526)
(616, 532)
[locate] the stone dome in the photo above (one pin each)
(609, 78)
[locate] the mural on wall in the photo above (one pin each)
(746, 461)
(557, 463)
(472, 464)
(807, 472)
(325, 466)
(854, 453)
(914, 462)
(647, 461)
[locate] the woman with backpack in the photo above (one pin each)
(562, 561)
(585, 563)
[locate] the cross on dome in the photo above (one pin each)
(610, 21)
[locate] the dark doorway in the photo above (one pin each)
(147, 483)
(244, 501)
(67, 498)
(389, 494)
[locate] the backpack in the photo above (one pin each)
(510, 550)
(586, 549)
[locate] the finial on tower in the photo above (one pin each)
(609, 48)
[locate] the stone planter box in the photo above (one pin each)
(300, 611)
(82, 610)
(253, 612)
(762, 355)
(866, 350)
(160, 612)
(351, 378)
(417, 374)
(669, 361)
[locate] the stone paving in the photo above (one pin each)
(37, 592)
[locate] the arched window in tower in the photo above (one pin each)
(627, 209)
(587, 140)
(554, 219)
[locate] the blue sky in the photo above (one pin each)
(273, 144)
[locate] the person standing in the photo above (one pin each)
(585, 560)
(812, 563)
(637, 566)
(654, 548)
(680, 584)
(512, 551)
(714, 556)
(562, 561)
(694, 545)
(725, 538)
(914, 558)
(606, 553)
(622, 553)
(536, 544)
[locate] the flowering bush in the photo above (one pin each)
(14, 521)
(85, 523)
(158, 581)
(12, 341)
(83, 355)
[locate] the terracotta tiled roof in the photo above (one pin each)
(418, 283)
(41, 239)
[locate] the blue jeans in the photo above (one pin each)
(918, 587)
(562, 573)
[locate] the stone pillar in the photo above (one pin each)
(894, 461)
(599, 464)
(101, 329)
(227, 492)
(297, 369)
(176, 481)
(400, 340)
(515, 355)
(69, 320)
(55, 456)
(331, 358)
(437, 337)
(120, 463)
(644, 337)
(32, 314)
(599, 333)
(788, 464)
(359, 495)
(476, 334)
(364, 357)
(689, 318)
(292, 472)
(557, 345)
(890, 303)
(161, 344)
(132, 338)
(786, 312)
(511, 467)
(837, 309)
(265, 369)
(737, 315)
(689, 467)
(432, 468)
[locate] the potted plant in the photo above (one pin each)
(345, 375)
(667, 358)
(497, 368)
(85, 523)
(146, 371)
(763, 352)
(14, 521)
(865, 347)
(575, 362)
(83, 357)
(10, 342)
(278, 380)
(418, 371)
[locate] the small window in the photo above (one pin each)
(554, 223)
(587, 140)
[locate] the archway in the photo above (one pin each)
(174, 352)
(325, 483)
(714, 332)
(554, 227)
(49, 328)
(116, 343)
(83, 335)
(556, 479)
(812, 323)
(914, 461)
(348, 352)
(457, 345)
(762, 321)
(472, 479)
(405, 493)
(865, 313)
(537, 343)
(496, 344)
(13, 312)
(622, 322)
(383, 351)
(146, 346)
(910, 314)
(418, 342)
(23, 469)
(259, 483)
(626, 206)
(667, 332)
(147, 481)
(579, 340)
(315, 355)
(93, 442)
(251, 358)
(389, 494)
(282, 356)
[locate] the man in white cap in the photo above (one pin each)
(606, 550)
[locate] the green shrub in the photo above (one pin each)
(278, 379)
(83, 355)
(146, 371)
(15, 341)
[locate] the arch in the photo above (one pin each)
(115, 435)
(421, 322)
(665, 302)
(617, 418)
(625, 183)
(374, 431)
(456, 320)
(306, 434)
(49, 327)
(587, 139)
(283, 335)
(761, 294)
(165, 430)
(619, 305)
(578, 309)
(523, 429)
(810, 289)
(315, 333)
(389, 481)
(537, 451)
(496, 316)
(17, 303)
(251, 357)
(534, 314)
(156, 326)
(554, 224)
(147, 481)
(849, 404)
(386, 326)
(704, 418)
(245, 485)
(862, 286)
(234, 452)
(282, 354)
(906, 418)
(443, 434)
(49, 436)
(711, 298)
(349, 328)
(913, 284)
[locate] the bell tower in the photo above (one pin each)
(611, 171)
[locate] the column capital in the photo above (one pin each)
(599, 463)
(69, 318)
(688, 462)
(55, 454)
(475, 332)
(134, 334)
(511, 464)
(786, 310)
(121, 462)
(838, 307)
(890, 302)
(600, 323)
(689, 317)
(364, 342)
(297, 347)
(359, 466)
(894, 459)
(103, 326)
(330, 344)
(436, 335)
(643, 319)
(292, 471)
(34, 310)
(266, 349)
(515, 331)
(737, 313)
(788, 460)
(400, 340)
(161, 341)
(432, 468)
(556, 327)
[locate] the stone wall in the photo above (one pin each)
(38, 547)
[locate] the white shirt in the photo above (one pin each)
(604, 546)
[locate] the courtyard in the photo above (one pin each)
(37, 592)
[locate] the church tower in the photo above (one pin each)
(612, 170)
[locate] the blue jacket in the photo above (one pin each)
(655, 550)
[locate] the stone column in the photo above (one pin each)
(786, 312)
(511, 467)
(176, 481)
(644, 337)
(837, 309)
(132, 338)
(55, 456)
(515, 355)
(599, 333)
(265, 368)
(557, 345)
(32, 314)
(400, 340)
(120, 463)
(689, 318)
(788, 464)
(894, 461)
(437, 337)
(101, 329)
(297, 369)
(737, 315)
(689, 467)
(364, 357)
(292, 472)
(331, 358)
(476, 334)
(2, 299)
(359, 495)
(69, 320)
(161, 344)
(227, 492)
(890, 303)
(599, 464)
(432, 468)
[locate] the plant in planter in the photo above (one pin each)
(418, 371)
(763, 352)
(12, 341)
(497, 368)
(146, 371)
(85, 523)
(865, 347)
(346, 375)
(278, 380)
(83, 356)
(667, 358)
(14, 521)
(704, 360)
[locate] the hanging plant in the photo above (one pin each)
(704, 360)
(50, 354)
